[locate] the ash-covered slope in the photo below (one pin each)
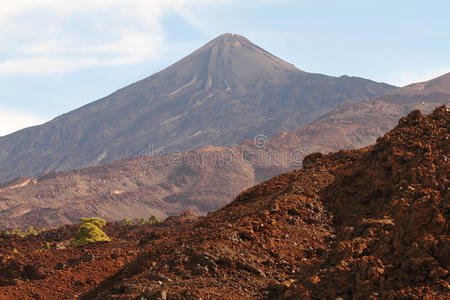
(222, 94)
(361, 224)
(201, 180)
(357, 125)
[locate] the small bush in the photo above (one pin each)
(89, 233)
(17, 232)
(47, 246)
(126, 221)
(15, 251)
(30, 231)
(96, 221)
(153, 220)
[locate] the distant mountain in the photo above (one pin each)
(131, 188)
(437, 85)
(201, 180)
(356, 125)
(222, 94)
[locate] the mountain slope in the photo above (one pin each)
(133, 188)
(440, 84)
(226, 92)
(201, 180)
(361, 224)
(356, 125)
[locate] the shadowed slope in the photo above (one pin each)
(201, 180)
(355, 125)
(227, 91)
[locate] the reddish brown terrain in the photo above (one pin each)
(205, 179)
(199, 181)
(356, 224)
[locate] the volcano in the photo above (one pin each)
(227, 91)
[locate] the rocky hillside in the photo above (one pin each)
(356, 125)
(201, 180)
(226, 92)
(370, 223)
(356, 224)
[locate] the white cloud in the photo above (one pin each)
(12, 120)
(405, 77)
(48, 36)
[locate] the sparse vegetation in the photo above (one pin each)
(96, 221)
(47, 246)
(141, 221)
(90, 232)
(153, 220)
(30, 231)
(126, 221)
(17, 232)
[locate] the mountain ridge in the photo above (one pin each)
(227, 91)
(201, 180)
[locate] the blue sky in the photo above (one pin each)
(58, 55)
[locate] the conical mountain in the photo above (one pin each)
(228, 62)
(225, 92)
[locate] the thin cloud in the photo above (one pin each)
(13, 120)
(67, 36)
(405, 77)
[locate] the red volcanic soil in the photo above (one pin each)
(65, 272)
(206, 179)
(360, 224)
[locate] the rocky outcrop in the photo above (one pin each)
(356, 224)
(363, 224)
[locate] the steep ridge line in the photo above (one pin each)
(222, 94)
(362, 224)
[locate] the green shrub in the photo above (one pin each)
(126, 221)
(15, 251)
(30, 231)
(47, 246)
(153, 220)
(17, 232)
(89, 233)
(96, 221)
